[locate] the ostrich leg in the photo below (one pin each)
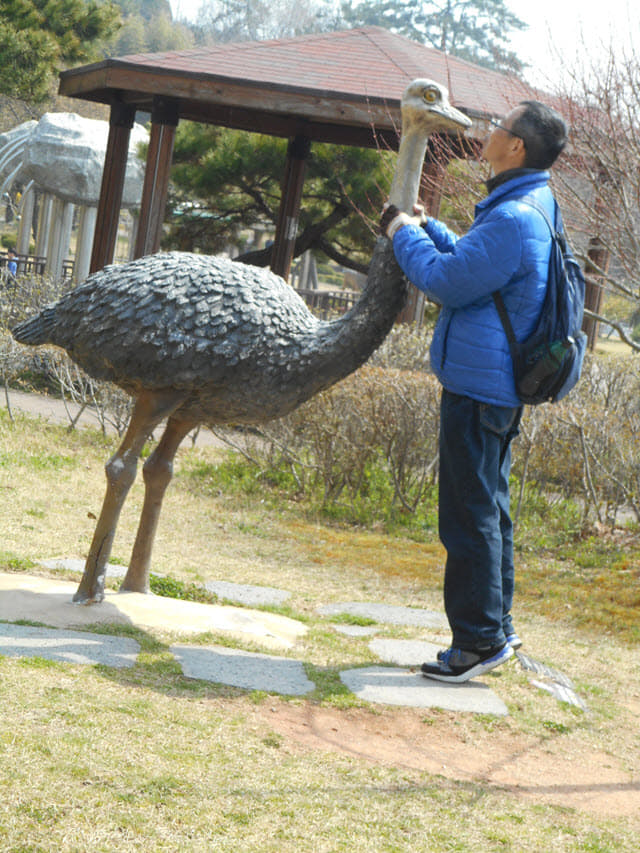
(149, 410)
(157, 472)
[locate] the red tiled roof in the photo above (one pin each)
(369, 62)
(335, 86)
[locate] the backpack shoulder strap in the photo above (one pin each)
(496, 295)
(504, 318)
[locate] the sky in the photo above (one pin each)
(554, 26)
(558, 29)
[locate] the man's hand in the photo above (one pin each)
(392, 219)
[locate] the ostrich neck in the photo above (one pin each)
(405, 185)
(340, 347)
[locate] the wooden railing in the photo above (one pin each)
(329, 303)
(34, 265)
(323, 303)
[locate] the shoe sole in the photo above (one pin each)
(477, 669)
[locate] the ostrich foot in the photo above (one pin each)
(135, 580)
(90, 593)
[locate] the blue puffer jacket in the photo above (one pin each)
(507, 248)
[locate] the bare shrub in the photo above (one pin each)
(586, 447)
(111, 405)
(13, 360)
(374, 434)
(404, 348)
(26, 296)
(382, 423)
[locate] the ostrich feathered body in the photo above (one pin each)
(236, 340)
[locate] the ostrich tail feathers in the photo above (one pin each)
(37, 330)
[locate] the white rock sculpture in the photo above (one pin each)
(64, 155)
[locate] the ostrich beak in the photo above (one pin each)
(451, 117)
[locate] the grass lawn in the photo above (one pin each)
(94, 759)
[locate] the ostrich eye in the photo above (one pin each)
(431, 95)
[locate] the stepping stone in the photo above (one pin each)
(404, 652)
(243, 669)
(389, 686)
(253, 596)
(387, 614)
(50, 601)
(67, 646)
(70, 564)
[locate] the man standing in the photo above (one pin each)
(12, 264)
(507, 248)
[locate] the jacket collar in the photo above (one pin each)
(508, 175)
(516, 182)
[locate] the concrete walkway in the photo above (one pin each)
(57, 411)
(49, 602)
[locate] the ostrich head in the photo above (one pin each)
(425, 110)
(425, 105)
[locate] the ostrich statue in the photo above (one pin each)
(197, 339)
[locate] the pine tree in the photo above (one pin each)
(226, 181)
(38, 37)
(476, 30)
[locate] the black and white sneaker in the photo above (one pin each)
(513, 639)
(458, 665)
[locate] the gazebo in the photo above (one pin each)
(339, 87)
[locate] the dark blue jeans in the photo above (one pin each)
(474, 519)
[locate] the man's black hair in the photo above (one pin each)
(544, 133)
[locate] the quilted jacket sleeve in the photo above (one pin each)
(444, 239)
(470, 268)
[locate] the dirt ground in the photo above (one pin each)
(537, 769)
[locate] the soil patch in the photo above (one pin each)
(548, 770)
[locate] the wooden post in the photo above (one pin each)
(598, 258)
(287, 225)
(115, 164)
(164, 120)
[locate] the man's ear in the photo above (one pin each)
(519, 150)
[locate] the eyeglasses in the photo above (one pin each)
(500, 126)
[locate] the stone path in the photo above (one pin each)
(48, 601)
(67, 646)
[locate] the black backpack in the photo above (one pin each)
(548, 364)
